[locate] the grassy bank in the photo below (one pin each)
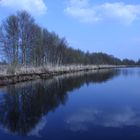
(11, 75)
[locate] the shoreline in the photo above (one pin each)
(29, 74)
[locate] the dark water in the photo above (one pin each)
(93, 105)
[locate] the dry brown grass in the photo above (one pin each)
(11, 70)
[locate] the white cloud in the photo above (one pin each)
(35, 7)
(84, 118)
(118, 11)
(39, 127)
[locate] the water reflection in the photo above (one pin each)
(24, 105)
(130, 71)
(126, 72)
(84, 118)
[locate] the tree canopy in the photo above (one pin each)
(26, 43)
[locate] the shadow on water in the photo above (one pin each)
(24, 105)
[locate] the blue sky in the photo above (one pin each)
(110, 26)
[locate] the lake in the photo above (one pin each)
(99, 105)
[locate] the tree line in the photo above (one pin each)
(24, 42)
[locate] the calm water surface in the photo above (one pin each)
(95, 105)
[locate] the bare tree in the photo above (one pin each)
(10, 38)
(25, 42)
(25, 22)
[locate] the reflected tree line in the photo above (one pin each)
(24, 105)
